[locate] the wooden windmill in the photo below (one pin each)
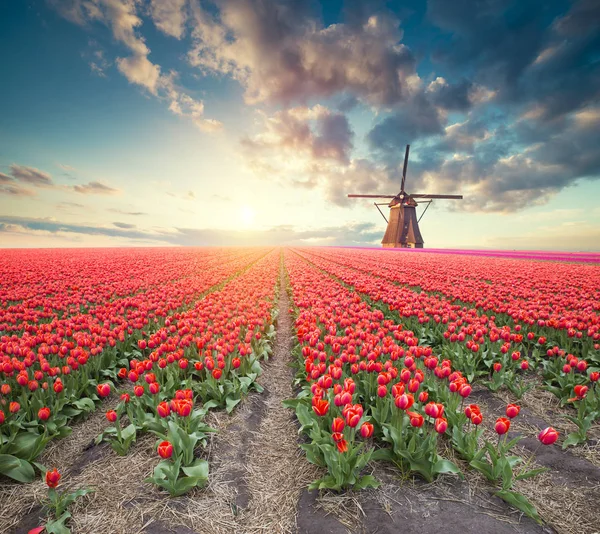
(403, 225)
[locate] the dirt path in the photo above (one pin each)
(276, 471)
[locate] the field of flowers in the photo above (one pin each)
(442, 367)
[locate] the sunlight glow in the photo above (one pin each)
(247, 215)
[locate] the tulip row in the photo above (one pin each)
(372, 391)
(209, 353)
(49, 374)
(493, 348)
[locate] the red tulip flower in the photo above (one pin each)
(44, 414)
(165, 450)
(404, 401)
(52, 478)
(342, 445)
(548, 436)
(163, 409)
(103, 390)
(416, 419)
(14, 407)
(502, 425)
(441, 425)
(366, 430)
(111, 416)
(338, 425)
(512, 410)
(320, 406)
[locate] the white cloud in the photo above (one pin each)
(169, 16)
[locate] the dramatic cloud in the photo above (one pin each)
(509, 46)
(315, 132)
(414, 120)
(279, 51)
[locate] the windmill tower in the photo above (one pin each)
(403, 226)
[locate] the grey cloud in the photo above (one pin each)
(124, 226)
(94, 188)
(414, 120)
(31, 176)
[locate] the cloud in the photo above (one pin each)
(31, 176)
(68, 205)
(94, 188)
(414, 120)
(169, 16)
(125, 226)
(121, 16)
(509, 46)
(67, 168)
(315, 133)
(139, 70)
(280, 52)
(350, 234)
(124, 212)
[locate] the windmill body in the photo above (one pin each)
(403, 225)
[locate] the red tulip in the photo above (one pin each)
(512, 410)
(2, 417)
(353, 417)
(342, 445)
(14, 407)
(441, 425)
(416, 419)
(594, 376)
(44, 413)
(366, 430)
(548, 436)
(103, 390)
(52, 478)
(337, 436)
(165, 450)
(125, 397)
(502, 425)
(235, 363)
(154, 388)
(217, 373)
(320, 406)
(58, 386)
(111, 415)
(404, 401)
(163, 409)
(138, 391)
(338, 425)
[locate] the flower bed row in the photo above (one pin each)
(49, 374)
(206, 357)
(371, 391)
(487, 347)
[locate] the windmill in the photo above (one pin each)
(403, 225)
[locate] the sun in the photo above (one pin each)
(247, 215)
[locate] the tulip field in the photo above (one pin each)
(298, 390)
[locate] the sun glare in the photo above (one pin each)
(247, 215)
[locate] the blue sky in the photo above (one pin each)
(188, 122)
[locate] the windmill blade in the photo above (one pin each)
(453, 197)
(404, 169)
(371, 196)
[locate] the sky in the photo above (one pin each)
(246, 122)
